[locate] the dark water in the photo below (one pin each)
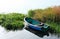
(24, 34)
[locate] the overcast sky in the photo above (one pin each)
(22, 6)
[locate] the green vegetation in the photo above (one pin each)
(54, 26)
(12, 21)
(49, 15)
(30, 13)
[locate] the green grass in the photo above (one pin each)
(14, 25)
(54, 26)
(12, 21)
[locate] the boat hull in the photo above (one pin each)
(35, 27)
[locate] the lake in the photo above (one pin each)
(23, 34)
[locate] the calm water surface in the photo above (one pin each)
(22, 34)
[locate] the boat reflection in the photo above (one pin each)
(38, 33)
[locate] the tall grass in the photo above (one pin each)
(50, 15)
(54, 26)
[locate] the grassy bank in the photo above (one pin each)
(54, 26)
(12, 21)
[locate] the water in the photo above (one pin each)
(22, 34)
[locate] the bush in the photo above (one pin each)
(13, 25)
(12, 21)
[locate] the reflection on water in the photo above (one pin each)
(38, 33)
(22, 34)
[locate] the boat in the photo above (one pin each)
(35, 24)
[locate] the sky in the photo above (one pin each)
(23, 6)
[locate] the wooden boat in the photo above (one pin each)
(34, 24)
